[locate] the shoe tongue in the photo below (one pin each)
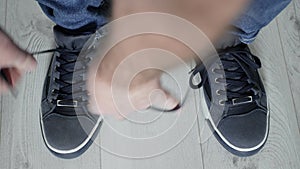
(71, 42)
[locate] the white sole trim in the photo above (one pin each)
(209, 118)
(71, 151)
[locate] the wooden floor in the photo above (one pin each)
(188, 145)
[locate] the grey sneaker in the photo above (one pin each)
(68, 128)
(238, 113)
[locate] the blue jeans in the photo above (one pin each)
(75, 14)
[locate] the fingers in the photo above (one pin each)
(27, 64)
(3, 87)
(13, 61)
(103, 101)
(18, 59)
(163, 100)
(15, 75)
(13, 56)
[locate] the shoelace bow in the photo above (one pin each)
(239, 81)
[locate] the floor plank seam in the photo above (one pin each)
(198, 126)
(287, 74)
(5, 18)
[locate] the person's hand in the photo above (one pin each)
(119, 101)
(13, 61)
(117, 89)
(120, 86)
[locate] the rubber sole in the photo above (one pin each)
(77, 153)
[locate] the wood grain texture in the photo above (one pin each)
(289, 31)
(282, 148)
(283, 144)
(177, 148)
(2, 25)
(21, 138)
(297, 12)
(2, 13)
(22, 147)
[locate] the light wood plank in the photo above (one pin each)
(118, 151)
(297, 11)
(289, 28)
(282, 148)
(2, 25)
(289, 32)
(2, 13)
(22, 145)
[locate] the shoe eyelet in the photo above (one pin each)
(216, 80)
(213, 70)
(218, 92)
(221, 102)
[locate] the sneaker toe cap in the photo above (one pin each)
(245, 131)
(66, 133)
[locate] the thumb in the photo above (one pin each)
(13, 56)
(163, 100)
(18, 59)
